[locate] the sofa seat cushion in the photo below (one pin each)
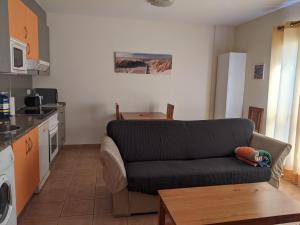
(151, 176)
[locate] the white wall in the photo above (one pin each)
(82, 69)
(224, 37)
(255, 38)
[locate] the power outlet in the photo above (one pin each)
(28, 91)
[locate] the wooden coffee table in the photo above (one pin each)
(258, 203)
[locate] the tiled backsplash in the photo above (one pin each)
(17, 86)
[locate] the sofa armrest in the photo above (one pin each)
(114, 172)
(279, 151)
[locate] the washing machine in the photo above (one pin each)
(7, 188)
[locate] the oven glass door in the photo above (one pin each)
(5, 201)
(53, 143)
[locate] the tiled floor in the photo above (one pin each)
(75, 194)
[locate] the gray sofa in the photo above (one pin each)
(141, 157)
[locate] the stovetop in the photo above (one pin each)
(35, 111)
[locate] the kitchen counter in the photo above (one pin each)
(27, 123)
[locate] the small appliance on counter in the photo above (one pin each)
(4, 105)
(49, 95)
(33, 100)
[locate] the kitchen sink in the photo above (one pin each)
(6, 129)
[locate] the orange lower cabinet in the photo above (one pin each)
(34, 160)
(20, 149)
(26, 167)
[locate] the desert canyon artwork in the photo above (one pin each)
(141, 63)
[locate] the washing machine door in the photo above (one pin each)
(5, 200)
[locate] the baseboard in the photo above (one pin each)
(83, 146)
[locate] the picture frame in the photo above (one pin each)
(259, 71)
(142, 63)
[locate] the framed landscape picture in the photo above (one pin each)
(142, 63)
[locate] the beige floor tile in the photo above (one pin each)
(87, 162)
(68, 196)
(150, 219)
(103, 206)
(69, 154)
(50, 195)
(57, 183)
(78, 208)
(102, 192)
(100, 182)
(83, 180)
(42, 211)
(61, 174)
(39, 223)
(107, 219)
(89, 156)
(76, 220)
(64, 164)
(82, 192)
(85, 172)
(99, 173)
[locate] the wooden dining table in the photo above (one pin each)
(144, 116)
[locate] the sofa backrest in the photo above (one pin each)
(179, 140)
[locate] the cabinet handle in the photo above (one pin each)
(26, 32)
(30, 144)
(28, 49)
(27, 147)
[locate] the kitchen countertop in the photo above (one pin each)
(27, 123)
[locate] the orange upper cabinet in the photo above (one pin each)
(17, 24)
(23, 25)
(33, 35)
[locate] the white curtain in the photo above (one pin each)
(283, 114)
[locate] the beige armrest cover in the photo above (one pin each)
(279, 151)
(114, 173)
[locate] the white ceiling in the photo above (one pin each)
(217, 12)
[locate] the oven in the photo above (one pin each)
(53, 137)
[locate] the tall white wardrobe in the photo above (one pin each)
(230, 85)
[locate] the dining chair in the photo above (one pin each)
(118, 114)
(256, 115)
(170, 112)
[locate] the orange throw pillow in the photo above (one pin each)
(247, 153)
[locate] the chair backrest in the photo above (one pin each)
(256, 115)
(118, 114)
(170, 112)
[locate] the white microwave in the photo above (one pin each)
(18, 56)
